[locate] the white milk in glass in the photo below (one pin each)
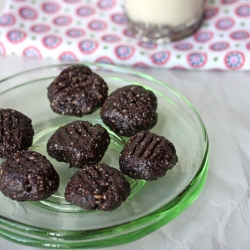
(174, 19)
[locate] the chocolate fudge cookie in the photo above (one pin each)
(129, 110)
(79, 143)
(16, 132)
(77, 91)
(28, 176)
(97, 187)
(147, 156)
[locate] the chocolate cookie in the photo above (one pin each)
(79, 143)
(147, 156)
(129, 110)
(28, 176)
(16, 132)
(97, 187)
(77, 91)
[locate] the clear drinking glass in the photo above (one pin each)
(162, 21)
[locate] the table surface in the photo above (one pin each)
(220, 217)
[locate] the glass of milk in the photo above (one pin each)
(162, 21)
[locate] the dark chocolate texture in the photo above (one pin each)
(77, 91)
(147, 156)
(16, 132)
(79, 143)
(28, 176)
(97, 187)
(130, 109)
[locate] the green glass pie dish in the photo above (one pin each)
(55, 223)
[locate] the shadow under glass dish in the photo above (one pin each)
(54, 223)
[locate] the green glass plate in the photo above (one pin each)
(55, 223)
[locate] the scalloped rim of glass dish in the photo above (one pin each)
(123, 233)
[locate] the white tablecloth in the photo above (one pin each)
(220, 217)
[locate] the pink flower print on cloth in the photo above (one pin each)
(97, 31)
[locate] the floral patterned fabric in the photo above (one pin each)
(96, 31)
